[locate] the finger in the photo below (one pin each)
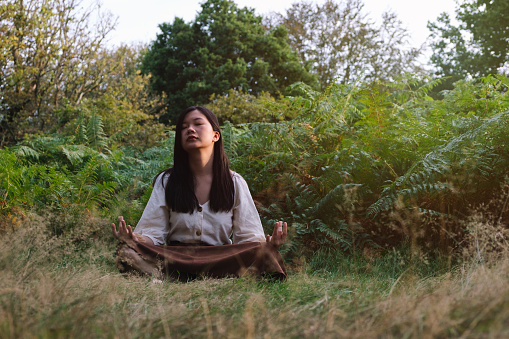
(268, 238)
(285, 232)
(124, 226)
(114, 229)
(274, 232)
(280, 227)
(130, 231)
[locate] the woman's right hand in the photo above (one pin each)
(124, 233)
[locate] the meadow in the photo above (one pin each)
(69, 288)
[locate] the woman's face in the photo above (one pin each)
(197, 132)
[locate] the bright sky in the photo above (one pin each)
(138, 20)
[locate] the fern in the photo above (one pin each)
(74, 153)
(26, 152)
(317, 220)
(104, 193)
(80, 132)
(231, 136)
(428, 175)
(95, 132)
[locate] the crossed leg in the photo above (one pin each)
(126, 256)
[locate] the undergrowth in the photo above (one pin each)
(348, 171)
(67, 286)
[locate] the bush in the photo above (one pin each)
(354, 153)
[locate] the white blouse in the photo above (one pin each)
(161, 224)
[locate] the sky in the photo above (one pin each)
(138, 20)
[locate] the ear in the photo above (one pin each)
(216, 137)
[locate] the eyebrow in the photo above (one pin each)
(197, 118)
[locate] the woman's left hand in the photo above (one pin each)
(278, 237)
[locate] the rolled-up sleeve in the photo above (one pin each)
(154, 222)
(247, 226)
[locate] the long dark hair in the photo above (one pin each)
(179, 191)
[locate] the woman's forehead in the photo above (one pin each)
(194, 115)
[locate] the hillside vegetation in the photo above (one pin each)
(395, 186)
(396, 201)
(359, 166)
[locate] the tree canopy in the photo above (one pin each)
(54, 67)
(225, 47)
(477, 45)
(48, 57)
(341, 43)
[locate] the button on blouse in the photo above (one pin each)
(241, 224)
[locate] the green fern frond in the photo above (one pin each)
(104, 193)
(26, 152)
(95, 132)
(426, 176)
(80, 131)
(75, 153)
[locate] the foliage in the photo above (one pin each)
(478, 45)
(224, 48)
(128, 109)
(239, 108)
(358, 157)
(341, 43)
(359, 165)
(50, 79)
(48, 58)
(374, 179)
(84, 171)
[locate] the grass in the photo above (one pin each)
(68, 286)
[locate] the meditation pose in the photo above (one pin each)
(200, 218)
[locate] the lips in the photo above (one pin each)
(192, 138)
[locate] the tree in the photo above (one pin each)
(239, 108)
(477, 45)
(127, 107)
(342, 44)
(48, 51)
(224, 48)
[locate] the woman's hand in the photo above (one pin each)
(278, 237)
(125, 232)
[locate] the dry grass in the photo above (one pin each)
(68, 287)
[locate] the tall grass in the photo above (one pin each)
(68, 286)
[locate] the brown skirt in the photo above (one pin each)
(188, 262)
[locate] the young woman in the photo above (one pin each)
(197, 208)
